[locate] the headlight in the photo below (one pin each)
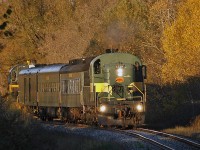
(139, 107)
(120, 72)
(102, 108)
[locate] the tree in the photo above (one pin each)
(160, 14)
(181, 43)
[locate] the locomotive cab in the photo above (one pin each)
(117, 82)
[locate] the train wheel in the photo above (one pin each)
(43, 114)
(130, 126)
(124, 122)
(50, 118)
(59, 114)
(43, 118)
(138, 120)
(73, 115)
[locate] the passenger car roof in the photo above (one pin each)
(43, 69)
(76, 65)
(80, 65)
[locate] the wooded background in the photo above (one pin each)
(165, 34)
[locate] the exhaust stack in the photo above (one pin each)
(111, 50)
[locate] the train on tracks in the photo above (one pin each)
(108, 89)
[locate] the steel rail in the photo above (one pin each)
(178, 138)
(139, 136)
(124, 132)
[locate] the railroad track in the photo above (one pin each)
(178, 138)
(160, 140)
(119, 131)
(143, 138)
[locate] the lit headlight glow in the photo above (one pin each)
(139, 107)
(102, 108)
(120, 72)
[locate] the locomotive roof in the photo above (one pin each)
(116, 57)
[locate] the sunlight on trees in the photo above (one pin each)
(56, 31)
(181, 43)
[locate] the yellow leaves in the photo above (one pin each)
(158, 11)
(125, 10)
(181, 43)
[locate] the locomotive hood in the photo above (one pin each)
(77, 65)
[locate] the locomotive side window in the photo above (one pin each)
(77, 86)
(144, 71)
(138, 72)
(71, 86)
(49, 87)
(53, 89)
(97, 66)
(64, 86)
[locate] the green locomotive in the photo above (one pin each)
(108, 89)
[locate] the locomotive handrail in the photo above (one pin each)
(137, 88)
(132, 84)
(139, 97)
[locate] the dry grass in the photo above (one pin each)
(192, 131)
(19, 131)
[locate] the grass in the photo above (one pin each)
(192, 131)
(19, 132)
(41, 139)
(84, 143)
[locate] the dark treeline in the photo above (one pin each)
(171, 105)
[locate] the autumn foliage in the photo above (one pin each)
(164, 34)
(181, 43)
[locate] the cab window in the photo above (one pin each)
(138, 73)
(97, 67)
